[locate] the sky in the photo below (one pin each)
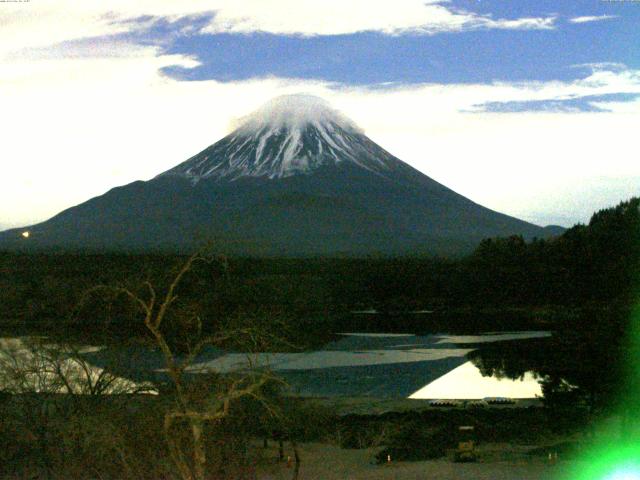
(528, 107)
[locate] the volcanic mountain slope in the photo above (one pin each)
(295, 179)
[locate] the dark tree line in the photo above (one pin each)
(587, 265)
(590, 266)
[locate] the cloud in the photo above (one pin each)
(626, 107)
(45, 23)
(557, 106)
(578, 104)
(531, 23)
(589, 94)
(592, 18)
(336, 17)
(599, 66)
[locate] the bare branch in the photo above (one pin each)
(170, 296)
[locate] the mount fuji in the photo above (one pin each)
(296, 178)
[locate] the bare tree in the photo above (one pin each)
(188, 409)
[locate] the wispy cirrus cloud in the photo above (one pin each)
(600, 66)
(336, 17)
(592, 18)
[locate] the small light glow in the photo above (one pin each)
(26, 234)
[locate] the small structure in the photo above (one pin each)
(466, 451)
(499, 401)
(445, 403)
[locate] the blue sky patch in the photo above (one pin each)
(572, 105)
(368, 58)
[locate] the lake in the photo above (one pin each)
(383, 365)
(378, 365)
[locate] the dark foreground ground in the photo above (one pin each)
(497, 462)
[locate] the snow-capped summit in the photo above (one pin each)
(290, 135)
(295, 112)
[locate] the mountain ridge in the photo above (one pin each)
(295, 179)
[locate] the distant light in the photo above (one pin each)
(26, 234)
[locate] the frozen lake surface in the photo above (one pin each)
(378, 365)
(389, 366)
